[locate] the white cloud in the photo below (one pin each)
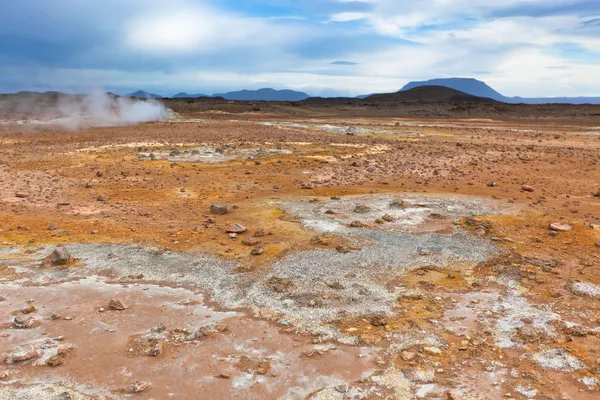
(197, 28)
(347, 16)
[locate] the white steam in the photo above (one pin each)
(96, 109)
(101, 109)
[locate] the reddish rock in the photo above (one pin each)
(118, 304)
(21, 195)
(560, 227)
(236, 228)
(526, 188)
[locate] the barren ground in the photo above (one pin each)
(377, 257)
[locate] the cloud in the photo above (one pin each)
(219, 45)
(344, 63)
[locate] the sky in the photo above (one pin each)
(530, 48)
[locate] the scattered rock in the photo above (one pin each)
(28, 310)
(388, 218)
(60, 256)
(23, 353)
(25, 323)
(357, 224)
(250, 241)
(257, 251)
(137, 387)
(526, 188)
(219, 209)
(102, 198)
(117, 304)
(236, 228)
(559, 227)
(21, 195)
(340, 248)
(360, 209)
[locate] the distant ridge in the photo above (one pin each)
(266, 94)
(428, 94)
(481, 89)
(184, 95)
(140, 94)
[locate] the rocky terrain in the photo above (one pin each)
(318, 250)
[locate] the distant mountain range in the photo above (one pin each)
(266, 94)
(481, 89)
(469, 86)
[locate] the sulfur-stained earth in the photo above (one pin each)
(267, 256)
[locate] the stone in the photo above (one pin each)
(156, 349)
(432, 350)
(360, 209)
(451, 395)
(258, 250)
(21, 195)
(526, 188)
(236, 228)
(357, 224)
(340, 248)
(24, 353)
(102, 198)
(527, 332)
(28, 310)
(137, 387)
(559, 227)
(60, 256)
(388, 218)
(408, 355)
(24, 323)
(378, 321)
(219, 209)
(250, 241)
(117, 304)
(259, 233)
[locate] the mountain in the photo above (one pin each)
(140, 94)
(466, 85)
(184, 95)
(481, 89)
(428, 94)
(266, 94)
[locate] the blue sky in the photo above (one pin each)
(323, 47)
